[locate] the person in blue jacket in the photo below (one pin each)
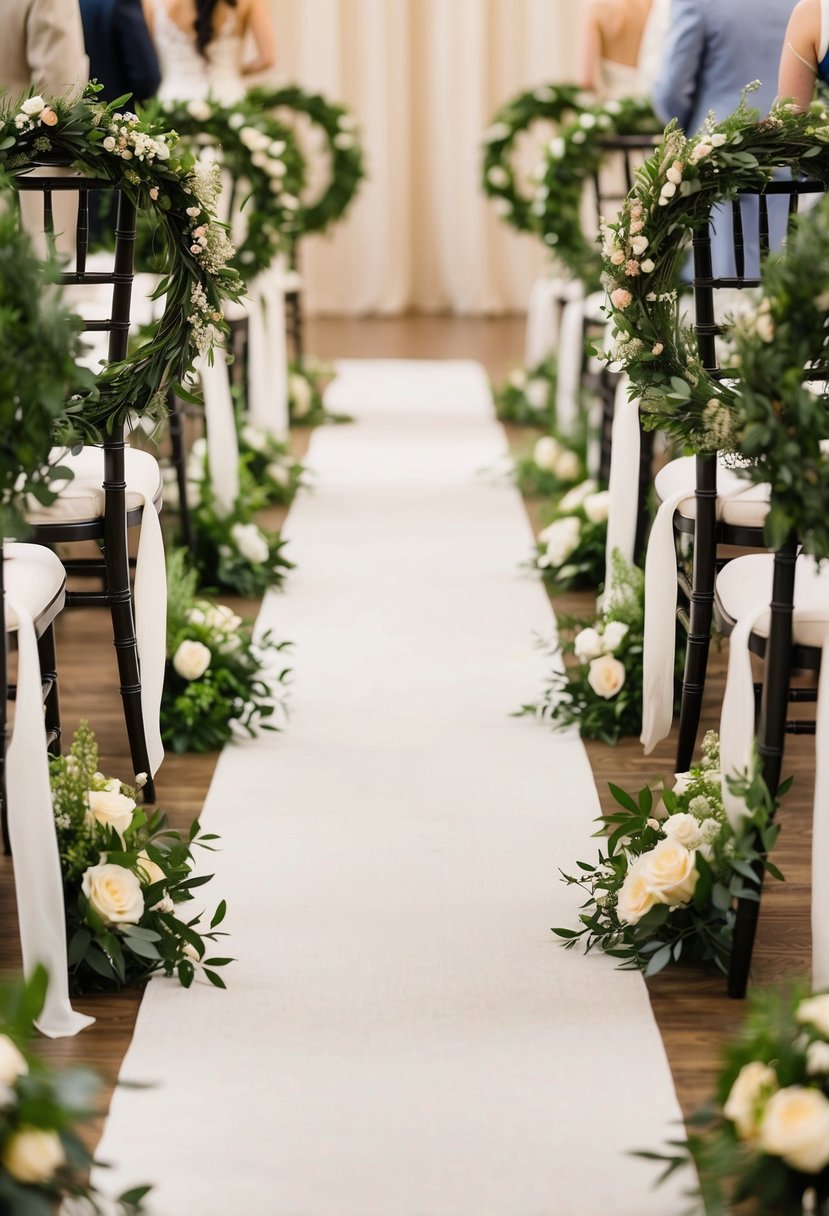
(121, 53)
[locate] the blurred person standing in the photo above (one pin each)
(611, 40)
(121, 53)
(41, 46)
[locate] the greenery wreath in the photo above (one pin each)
(265, 166)
(570, 160)
(340, 130)
(550, 103)
(143, 157)
(645, 247)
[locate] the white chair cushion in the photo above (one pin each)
(594, 307)
(83, 497)
(741, 502)
(746, 582)
(35, 578)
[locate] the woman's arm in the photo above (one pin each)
(149, 15)
(798, 62)
(259, 24)
(591, 50)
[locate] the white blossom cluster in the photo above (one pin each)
(126, 140)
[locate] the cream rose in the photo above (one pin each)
(33, 1155)
(795, 1126)
(114, 893)
(670, 872)
(684, 829)
(587, 644)
(682, 782)
(754, 1083)
(815, 1011)
(251, 542)
(568, 466)
(301, 395)
(222, 618)
(606, 676)
(48, 117)
(110, 809)
(635, 897)
(537, 393)
(639, 244)
(597, 507)
(151, 870)
(614, 634)
(561, 538)
(817, 1060)
(518, 378)
(191, 660)
(12, 1061)
(546, 453)
(32, 105)
(575, 497)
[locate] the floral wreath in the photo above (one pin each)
(570, 160)
(265, 164)
(644, 250)
(340, 130)
(553, 103)
(155, 173)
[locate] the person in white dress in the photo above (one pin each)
(201, 46)
(612, 35)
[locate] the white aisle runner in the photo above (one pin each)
(402, 1035)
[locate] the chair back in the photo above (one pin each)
(613, 181)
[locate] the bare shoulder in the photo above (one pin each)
(804, 24)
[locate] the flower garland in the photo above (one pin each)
(264, 163)
(341, 134)
(157, 174)
(125, 872)
(570, 160)
(219, 684)
(645, 248)
(43, 1158)
(766, 1136)
(527, 396)
(548, 103)
(570, 550)
(665, 882)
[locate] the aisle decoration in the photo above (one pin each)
(268, 463)
(307, 380)
(145, 158)
(549, 103)
(219, 683)
(125, 874)
(765, 1136)
(645, 248)
(43, 1158)
(527, 396)
(556, 464)
(572, 159)
(263, 162)
(570, 550)
(665, 881)
(340, 131)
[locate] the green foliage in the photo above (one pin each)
(267, 470)
(232, 551)
(122, 913)
(557, 463)
(238, 692)
(570, 550)
(306, 386)
(528, 397)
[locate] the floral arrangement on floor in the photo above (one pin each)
(43, 1160)
(645, 248)
(307, 380)
(571, 159)
(665, 881)
(556, 464)
(219, 683)
(159, 175)
(765, 1137)
(570, 550)
(527, 396)
(125, 874)
(599, 687)
(550, 103)
(269, 463)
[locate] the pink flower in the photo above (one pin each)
(154, 193)
(48, 116)
(621, 298)
(658, 348)
(632, 268)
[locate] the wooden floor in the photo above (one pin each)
(690, 1004)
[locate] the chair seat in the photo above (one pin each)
(34, 577)
(746, 582)
(82, 499)
(741, 503)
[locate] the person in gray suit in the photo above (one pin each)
(714, 49)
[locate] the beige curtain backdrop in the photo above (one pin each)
(424, 78)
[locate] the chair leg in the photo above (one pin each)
(49, 676)
(179, 459)
(770, 742)
(646, 439)
(607, 393)
(701, 611)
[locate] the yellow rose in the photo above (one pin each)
(33, 1155)
(110, 809)
(635, 896)
(114, 893)
(795, 1126)
(670, 872)
(754, 1083)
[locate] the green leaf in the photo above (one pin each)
(219, 914)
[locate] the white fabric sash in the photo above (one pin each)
(220, 427)
(623, 483)
(150, 599)
(570, 363)
(37, 873)
(268, 353)
(548, 297)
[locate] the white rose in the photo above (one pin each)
(109, 144)
(152, 871)
(670, 871)
(114, 893)
(301, 395)
(222, 618)
(815, 1011)
(575, 497)
(682, 782)
(795, 1126)
(110, 809)
(568, 466)
(765, 327)
(674, 175)
(587, 644)
(546, 453)
(557, 147)
(639, 244)
(518, 377)
(32, 1155)
(250, 542)
(614, 634)
(817, 1059)
(253, 437)
(597, 507)
(344, 141)
(668, 190)
(684, 829)
(199, 110)
(718, 140)
(191, 660)
(635, 897)
(753, 1085)
(498, 177)
(279, 473)
(537, 393)
(606, 676)
(587, 121)
(12, 1061)
(561, 539)
(33, 105)
(648, 266)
